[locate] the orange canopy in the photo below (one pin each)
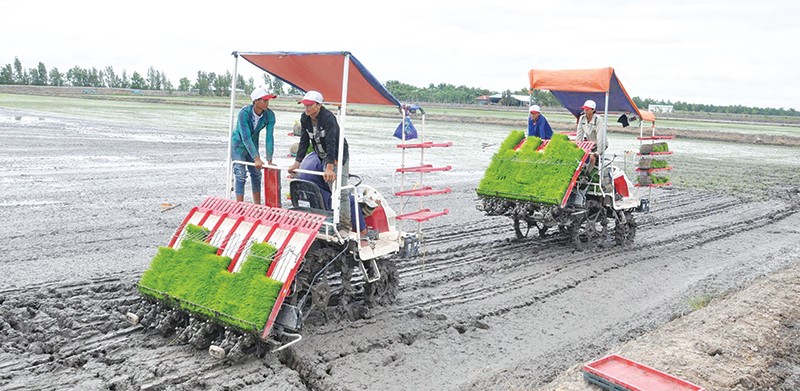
(324, 72)
(647, 115)
(576, 80)
(574, 86)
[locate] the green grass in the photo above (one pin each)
(198, 277)
(700, 301)
(529, 174)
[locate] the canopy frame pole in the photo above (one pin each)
(403, 150)
(342, 120)
(602, 139)
(641, 135)
(229, 165)
(421, 173)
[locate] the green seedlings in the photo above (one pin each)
(653, 163)
(199, 279)
(659, 179)
(652, 179)
(531, 175)
(648, 179)
(195, 232)
(654, 147)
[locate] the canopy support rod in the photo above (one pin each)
(229, 183)
(335, 202)
(603, 141)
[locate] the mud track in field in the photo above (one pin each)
(476, 310)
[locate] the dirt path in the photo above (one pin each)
(478, 310)
(748, 340)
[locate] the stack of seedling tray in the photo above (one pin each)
(618, 373)
(652, 170)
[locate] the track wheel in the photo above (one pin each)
(625, 231)
(597, 228)
(589, 229)
(312, 288)
(320, 295)
(577, 232)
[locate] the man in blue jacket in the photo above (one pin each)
(538, 125)
(251, 121)
(313, 163)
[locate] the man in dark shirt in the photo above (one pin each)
(321, 129)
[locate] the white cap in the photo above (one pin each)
(589, 104)
(262, 93)
(370, 198)
(535, 109)
(311, 97)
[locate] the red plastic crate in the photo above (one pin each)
(634, 376)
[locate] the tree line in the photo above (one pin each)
(206, 83)
(448, 93)
(704, 108)
(213, 84)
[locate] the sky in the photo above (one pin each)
(704, 51)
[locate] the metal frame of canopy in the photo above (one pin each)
(348, 58)
(582, 84)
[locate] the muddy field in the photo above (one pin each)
(477, 310)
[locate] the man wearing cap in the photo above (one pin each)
(538, 125)
(251, 121)
(321, 129)
(589, 125)
(312, 163)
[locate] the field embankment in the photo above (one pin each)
(739, 128)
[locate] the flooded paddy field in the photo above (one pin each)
(82, 184)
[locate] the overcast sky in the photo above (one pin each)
(705, 51)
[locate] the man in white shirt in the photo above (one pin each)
(589, 126)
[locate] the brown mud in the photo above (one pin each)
(476, 310)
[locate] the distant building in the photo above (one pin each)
(522, 99)
(495, 99)
(660, 108)
(485, 100)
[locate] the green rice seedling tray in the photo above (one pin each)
(530, 169)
